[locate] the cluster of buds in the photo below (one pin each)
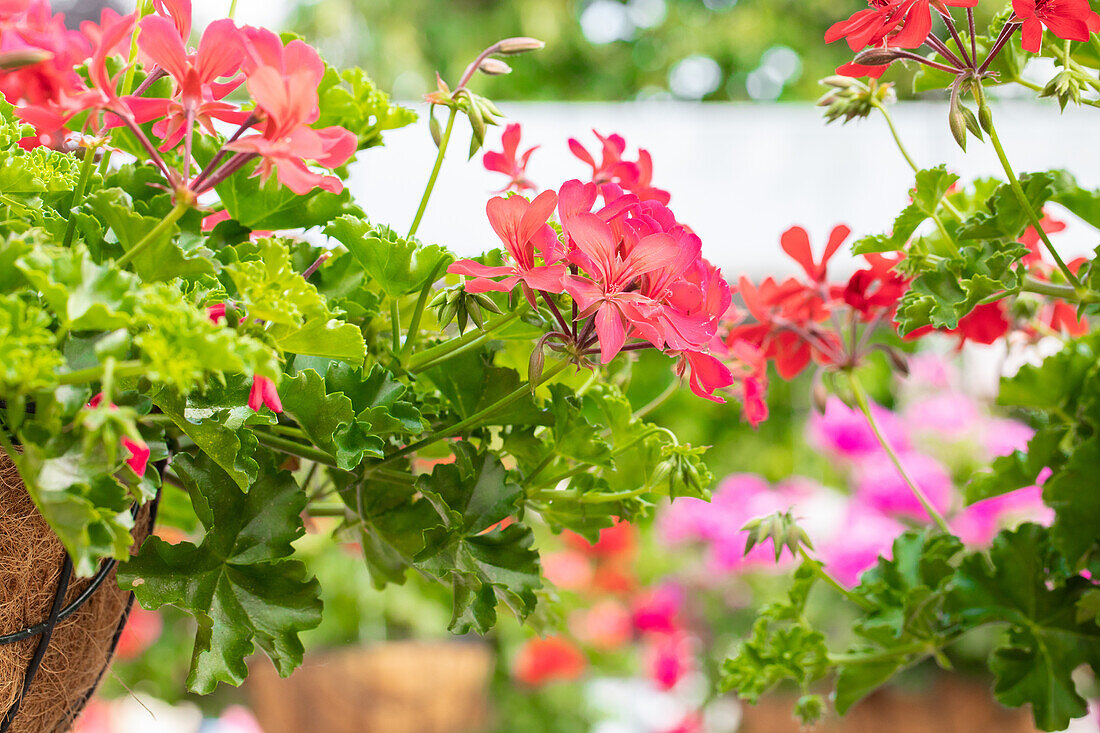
(456, 303)
(851, 98)
(782, 529)
(480, 110)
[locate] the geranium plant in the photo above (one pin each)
(167, 333)
(975, 261)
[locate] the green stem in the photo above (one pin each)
(1054, 290)
(1017, 189)
(820, 572)
(659, 400)
(86, 167)
(294, 448)
(162, 226)
(894, 131)
(232, 9)
(435, 172)
(418, 311)
(865, 408)
(141, 10)
(916, 169)
(922, 647)
(395, 325)
(92, 374)
(430, 357)
(506, 401)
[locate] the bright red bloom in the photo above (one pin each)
(707, 374)
(216, 312)
(551, 659)
(507, 163)
(1071, 20)
(521, 226)
(264, 392)
(637, 178)
(901, 23)
(283, 82)
(615, 541)
(876, 287)
(796, 243)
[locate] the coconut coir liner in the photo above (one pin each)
(31, 556)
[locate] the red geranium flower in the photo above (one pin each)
(1071, 20)
(264, 392)
(552, 659)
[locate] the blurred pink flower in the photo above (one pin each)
(238, 719)
(606, 625)
(657, 610)
(567, 569)
(844, 430)
(930, 371)
(946, 414)
(1002, 436)
(880, 485)
(865, 535)
(980, 522)
(668, 658)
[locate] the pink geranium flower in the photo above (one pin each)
(264, 393)
(508, 162)
(881, 486)
(283, 82)
(521, 226)
(865, 535)
(979, 523)
(844, 430)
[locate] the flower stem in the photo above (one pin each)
(443, 142)
(1054, 290)
(506, 401)
(162, 226)
(430, 357)
(1017, 189)
(418, 311)
(91, 374)
(819, 570)
(143, 8)
(294, 448)
(395, 326)
(865, 408)
(86, 166)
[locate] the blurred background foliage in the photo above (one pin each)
(597, 50)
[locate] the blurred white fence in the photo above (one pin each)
(739, 173)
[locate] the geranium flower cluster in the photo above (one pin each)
(812, 318)
(940, 433)
(618, 614)
(282, 81)
(635, 277)
(889, 28)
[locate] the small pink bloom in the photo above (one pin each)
(508, 163)
(606, 625)
(216, 312)
(567, 569)
(881, 486)
(978, 523)
(1003, 436)
(139, 454)
(668, 658)
(142, 629)
(865, 536)
(844, 430)
(263, 393)
(944, 414)
(657, 610)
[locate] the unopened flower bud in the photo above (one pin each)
(520, 44)
(494, 67)
(840, 82)
(877, 57)
(10, 60)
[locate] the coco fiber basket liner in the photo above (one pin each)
(46, 686)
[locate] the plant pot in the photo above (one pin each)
(394, 687)
(80, 645)
(948, 705)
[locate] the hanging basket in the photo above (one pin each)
(57, 632)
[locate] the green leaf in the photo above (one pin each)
(163, 259)
(470, 383)
(1044, 643)
(351, 100)
(84, 295)
(328, 419)
(236, 582)
(331, 338)
(1017, 469)
(931, 186)
(398, 266)
(486, 566)
(1071, 493)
